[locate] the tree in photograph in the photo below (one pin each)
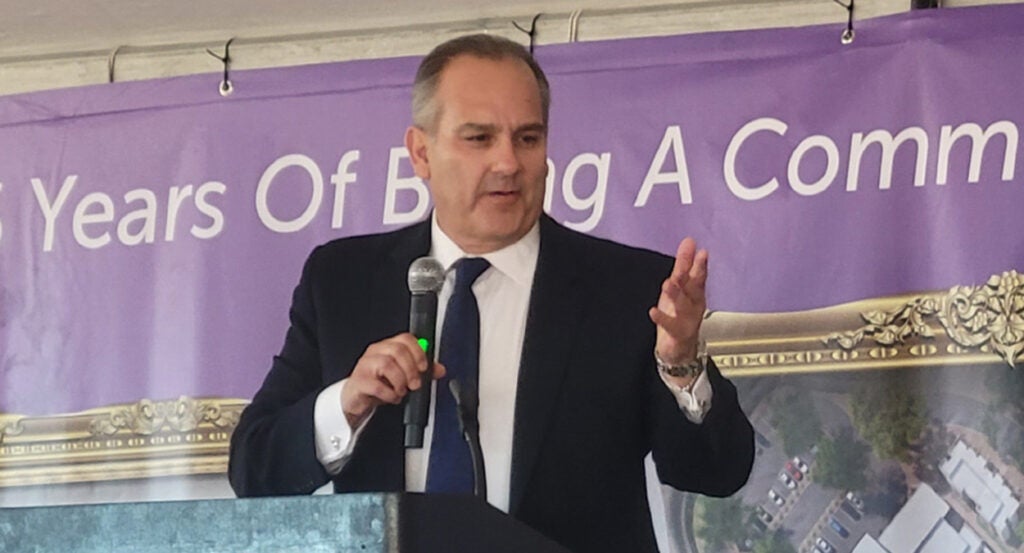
(722, 521)
(892, 491)
(935, 445)
(1007, 387)
(776, 543)
(842, 462)
(1015, 450)
(796, 420)
(989, 428)
(1003, 423)
(890, 416)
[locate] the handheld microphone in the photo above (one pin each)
(467, 402)
(426, 277)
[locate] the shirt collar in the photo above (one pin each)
(517, 261)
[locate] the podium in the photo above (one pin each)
(363, 523)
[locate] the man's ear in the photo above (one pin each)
(416, 144)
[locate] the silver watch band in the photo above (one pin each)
(691, 369)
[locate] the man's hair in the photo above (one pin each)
(425, 110)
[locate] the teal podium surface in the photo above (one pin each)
(364, 523)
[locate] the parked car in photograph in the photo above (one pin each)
(823, 545)
(758, 526)
(849, 509)
(764, 516)
(839, 528)
(800, 465)
(776, 497)
(787, 481)
(793, 471)
(855, 499)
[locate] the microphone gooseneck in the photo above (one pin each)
(467, 402)
(425, 279)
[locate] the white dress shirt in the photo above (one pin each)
(503, 297)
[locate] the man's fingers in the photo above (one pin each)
(675, 284)
(694, 289)
(383, 391)
(670, 288)
(698, 275)
(406, 353)
(409, 357)
(659, 317)
(684, 257)
(369, 387)
(412, 345)
(386, 372)
(394, 376)
(682, 303)
(439, 370)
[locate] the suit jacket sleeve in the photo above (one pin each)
(272, 448)
(714, 457)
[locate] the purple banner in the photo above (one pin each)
(151, 232)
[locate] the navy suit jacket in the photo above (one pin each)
(589, 404)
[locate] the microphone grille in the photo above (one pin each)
(425, 275)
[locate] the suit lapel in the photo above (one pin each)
(556, 309)
(390, 307)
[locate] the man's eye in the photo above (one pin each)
(477, 138)
(530, 139)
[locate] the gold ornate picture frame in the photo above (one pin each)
(965, 325)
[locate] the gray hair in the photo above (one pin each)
(425, 111)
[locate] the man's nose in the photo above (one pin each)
(505, 157)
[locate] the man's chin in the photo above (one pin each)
(495, 237)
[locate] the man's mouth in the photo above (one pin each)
(503, 193)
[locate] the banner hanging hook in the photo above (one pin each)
(848, 34)
(226, 87)
(574, 25)
(111, 60)
(532, 33)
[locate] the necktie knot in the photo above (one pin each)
(467, 270)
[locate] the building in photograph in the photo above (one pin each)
(925, 524)
(983, 488)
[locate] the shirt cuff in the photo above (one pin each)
(694, 402)
(335, 440)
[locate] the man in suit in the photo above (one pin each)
(579, 376)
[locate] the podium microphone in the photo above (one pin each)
(426, 277)
(467, 402)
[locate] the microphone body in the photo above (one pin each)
(422, 322)
(426, 277)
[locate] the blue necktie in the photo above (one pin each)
(450, 468)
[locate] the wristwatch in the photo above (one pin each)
(691, 369)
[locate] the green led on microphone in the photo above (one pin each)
(424, 343)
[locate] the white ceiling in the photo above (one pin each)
(59, 43)
(47, 28)
(48, 44)
(30, 28)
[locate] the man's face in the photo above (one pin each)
(486, 156)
